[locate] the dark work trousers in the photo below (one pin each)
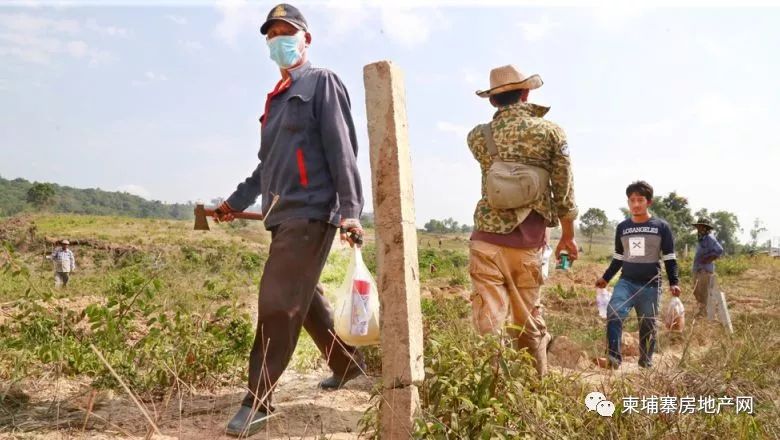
(291, 298)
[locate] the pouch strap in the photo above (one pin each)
(490, 143)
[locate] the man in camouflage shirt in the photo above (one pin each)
(505, 246)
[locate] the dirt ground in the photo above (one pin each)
(302, 411)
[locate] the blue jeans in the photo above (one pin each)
(628, 294)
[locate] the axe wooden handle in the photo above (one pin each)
(244, 215)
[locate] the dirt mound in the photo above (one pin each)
(20, 231)
(116, 250)
(566, 353)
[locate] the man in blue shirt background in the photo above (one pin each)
(707, 251)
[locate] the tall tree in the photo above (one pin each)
(758, 228)
(675, 210)
(592, 222)
(40, 194)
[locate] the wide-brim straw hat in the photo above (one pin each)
(506, 78)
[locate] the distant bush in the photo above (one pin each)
(446, 264)
(733, 265)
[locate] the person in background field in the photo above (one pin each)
(64, 264)
(308, 158)
(504, 256)
(708, 250)
(641, 243)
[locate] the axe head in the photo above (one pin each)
(201, 224)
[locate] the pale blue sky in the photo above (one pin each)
(163, 101)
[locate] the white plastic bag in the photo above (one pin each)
(674, 315)
(602, 300)
(357, 308)
(545, 257)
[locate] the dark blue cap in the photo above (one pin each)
(285, 12)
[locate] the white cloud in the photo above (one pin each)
(111, 31)
(148, 78)
(191, 46)
(177, 19)
(39, 40)
(711, 47)
(459, 130)
(535, 31)
(471, 77)
(715, 109)
(615, 16)
(411, 26)
(344, 19)
(23, 23)
(78, 49)
(151, 76)
(238, 16)
(405, 26)
(137, 190)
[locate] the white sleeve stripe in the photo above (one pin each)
(668, 257)
(617, 257)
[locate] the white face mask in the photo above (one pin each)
(287, 50)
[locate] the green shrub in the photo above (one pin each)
(251, 261)
(147, 345)
(736, 265)
(444, 264)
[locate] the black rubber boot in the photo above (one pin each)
(335, 382)
(245, 423)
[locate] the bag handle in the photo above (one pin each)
(489, 142)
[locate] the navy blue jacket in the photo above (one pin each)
(308, 152)
(639, 250)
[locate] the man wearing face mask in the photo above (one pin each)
(307, 158)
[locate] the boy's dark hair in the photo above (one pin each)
(507, 98)
(642, 188)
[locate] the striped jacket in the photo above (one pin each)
(639, 250)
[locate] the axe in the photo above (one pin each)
(201, 224)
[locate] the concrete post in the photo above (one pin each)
(396, 240)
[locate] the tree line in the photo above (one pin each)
(20, 195)
(446, 226)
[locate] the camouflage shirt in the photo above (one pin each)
(521, 135)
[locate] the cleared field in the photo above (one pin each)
(171, 309)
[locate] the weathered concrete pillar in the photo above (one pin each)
(396, 238)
